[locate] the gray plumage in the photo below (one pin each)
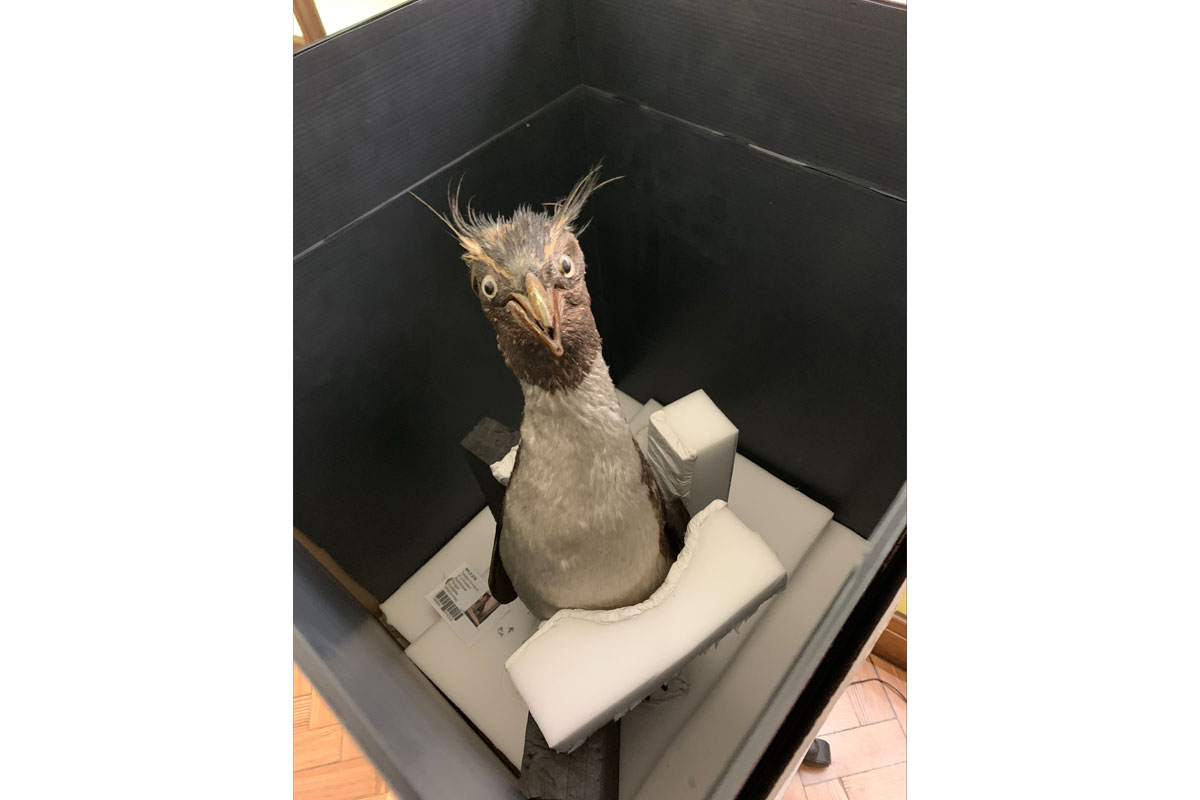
(583, 522)
(580, 530)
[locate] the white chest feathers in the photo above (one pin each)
(579, 529)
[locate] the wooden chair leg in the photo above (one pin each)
(309, 21)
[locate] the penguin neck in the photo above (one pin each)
(589, 410)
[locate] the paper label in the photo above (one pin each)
(464, 603)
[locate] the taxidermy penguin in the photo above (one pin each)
(585, 524)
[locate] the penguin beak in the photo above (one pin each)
(539, 311)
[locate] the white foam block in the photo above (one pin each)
(474, 679)
(629, 406)
(642, 418)
(692, 445)
(584, 668)
(640, 423)
(790, 523)
(502, 469)
(407, 610)
(695, 757)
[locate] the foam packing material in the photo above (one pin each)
(640, 420)
(629, 406)
(640, 423)
(672, 461)
(584, 668)
(691, 448)
(473, 678)
(502, 469)
(407, 610)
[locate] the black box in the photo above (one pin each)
(755, 248)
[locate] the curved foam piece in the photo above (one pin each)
(584, 668)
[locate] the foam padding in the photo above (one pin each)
(629, 406)
(474, 679)
(640, 423)
(584, 668)
(692, 445)
(407, 610)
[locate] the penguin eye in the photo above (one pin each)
(567, 267)
(489, 287)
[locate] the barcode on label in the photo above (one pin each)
(447, 605)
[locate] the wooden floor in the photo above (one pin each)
(867, 731)
(326, 763)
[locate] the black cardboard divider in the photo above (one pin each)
(379, 107)
(777, 289)
(394, 361)
(821, 81)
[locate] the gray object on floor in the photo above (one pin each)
(818, 754)
(587, 773)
